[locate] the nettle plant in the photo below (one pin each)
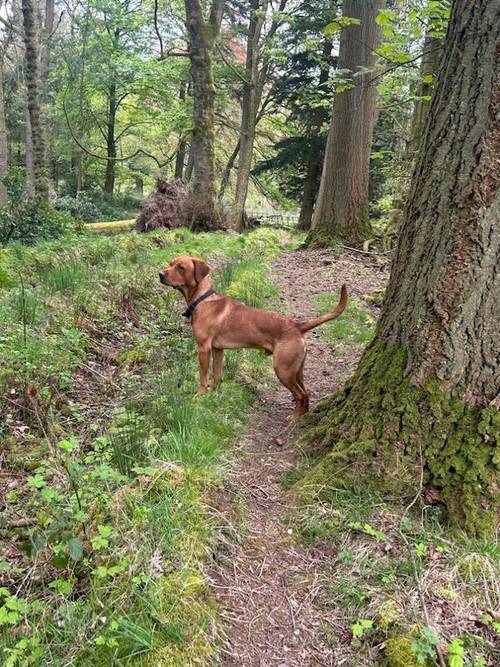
(72, 489)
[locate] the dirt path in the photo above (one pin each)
(267, 585)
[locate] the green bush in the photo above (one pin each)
(82, 207)
(30, 220)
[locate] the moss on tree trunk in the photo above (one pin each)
(384, 428)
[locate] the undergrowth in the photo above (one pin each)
(399, 587)
(106, 454)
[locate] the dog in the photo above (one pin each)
(220, 323)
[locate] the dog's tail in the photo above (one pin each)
(310, 324)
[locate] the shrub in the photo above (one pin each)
(82, 207)
(29, 220)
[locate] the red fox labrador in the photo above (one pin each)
(221, 323)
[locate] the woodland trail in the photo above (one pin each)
(267, 585)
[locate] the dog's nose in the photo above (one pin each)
(161, 276)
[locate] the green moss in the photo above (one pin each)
(381, 426)
(399, 652)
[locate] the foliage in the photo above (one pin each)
(30, 220)
(108, 452)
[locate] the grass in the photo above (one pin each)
(107, 455)
(396, 571)
(355, 327)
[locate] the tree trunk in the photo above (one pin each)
(109, 180)
(180, 157)
(314, 164)
(28, 157)
(202, 36)
(226, 174)
(429, 66)
(3, 142)
(342, 206)
(249, 106)
(32, 60)
(310, 192)
(426, 392)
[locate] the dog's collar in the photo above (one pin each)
(190, 309)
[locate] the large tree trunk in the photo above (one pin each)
(32, 65)
(109, 180)
(202, 36)
(342, 207)
(427, 389)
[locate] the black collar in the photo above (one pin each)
(190, 309)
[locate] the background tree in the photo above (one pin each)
(202, 35)
(302, 88)
(34, 95)
(342, 206)
(426, 391)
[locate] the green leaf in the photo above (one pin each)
(75, 548)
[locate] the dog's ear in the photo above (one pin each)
(201, 269)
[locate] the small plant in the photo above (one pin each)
(456, 653)
(424, 646)
(361, 627)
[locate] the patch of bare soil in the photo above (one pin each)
(267, 586)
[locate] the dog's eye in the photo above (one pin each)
(180, 269)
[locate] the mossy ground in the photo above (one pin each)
(388, 559)
(107, 457)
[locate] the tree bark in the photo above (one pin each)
(109, 179)
(311, 185)
(250, 102)
(313, 175)
(426, 393)
(202, 36)
(3, 141)
(32, 66)
(342, 206)
(429, 66)
(180, 157)
(226, 174)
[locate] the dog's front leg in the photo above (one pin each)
(218, 357)
(204, 352)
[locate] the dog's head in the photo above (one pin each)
(184, 272)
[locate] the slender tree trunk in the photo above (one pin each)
(429, 66)
(226, 174)
(180, 158)
(342, 206)
(3, 141)
(28, 159)
(310, 191)
(202, 36)
(188, 173)
(249, 106)
(32, 60)
(313, 176)
(109, 180)
(79, 161)
(426, 392)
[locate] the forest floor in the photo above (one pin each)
(268, 584)
(353, 580)
(143, 526)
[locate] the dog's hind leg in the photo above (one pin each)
(288, 359)
(218, 358)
